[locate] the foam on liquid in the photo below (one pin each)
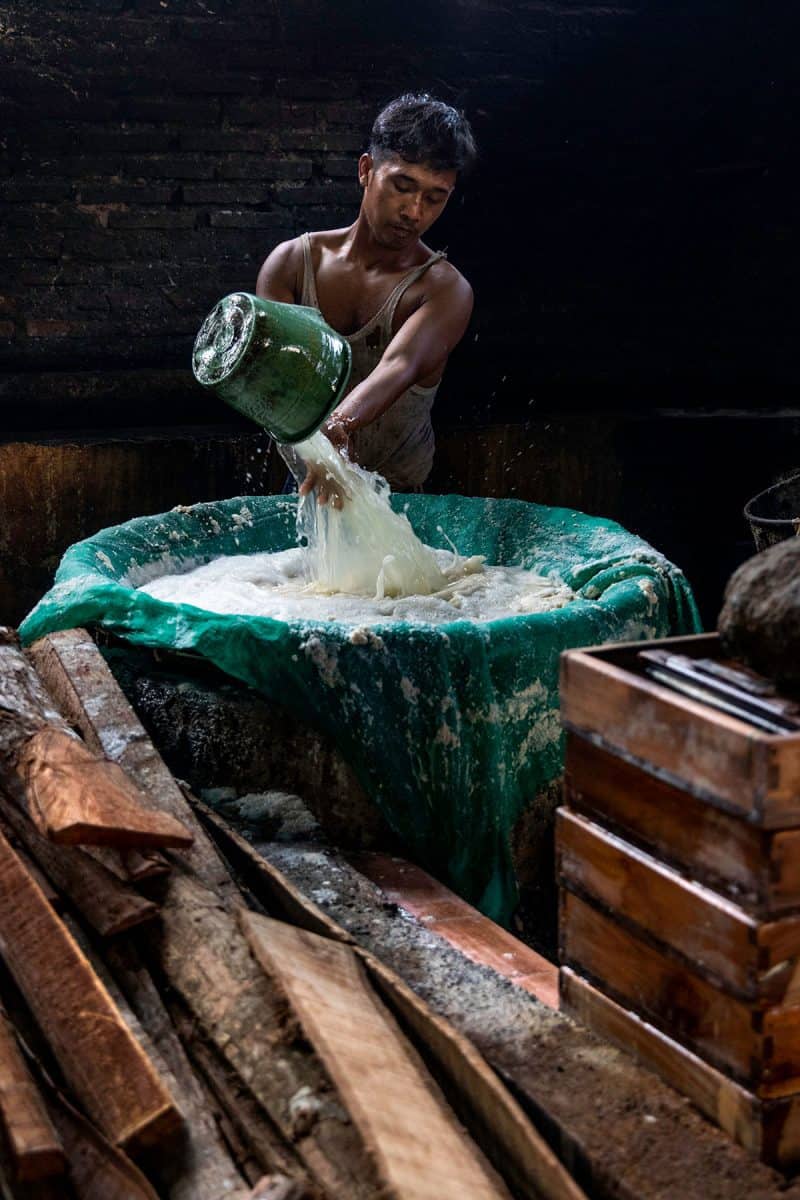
(362, 565)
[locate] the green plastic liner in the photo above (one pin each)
(452, 729)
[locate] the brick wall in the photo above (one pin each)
(631, 231)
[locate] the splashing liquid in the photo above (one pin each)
(363, 548)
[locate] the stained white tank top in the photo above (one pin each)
(399, 444)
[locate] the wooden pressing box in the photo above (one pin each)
(679, 873)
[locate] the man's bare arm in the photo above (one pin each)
(277, 279)
(419, 349)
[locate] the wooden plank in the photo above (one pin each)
(241, 1013)
(719, 938)
(758, 1045)
(202, 1167)
(690, 1009)
(709, 753)
(201, 951)
(245, 1124)
(77, 798)
(45, 885)
(129, 866)
(98, 1170)
(728, 1105)
(267, 883)
(35, 1147)
(100, 1059)
(507, 1131)
(769, 1129)
(108, 905)
(492, 1115)
(757, 868)
(71, 794)
(408, 1129)
(461, 925)
(90, 698)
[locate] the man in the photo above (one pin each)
(401, 307)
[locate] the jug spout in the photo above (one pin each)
(281, 365)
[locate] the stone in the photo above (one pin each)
(760, 618)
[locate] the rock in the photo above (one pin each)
(760, 618)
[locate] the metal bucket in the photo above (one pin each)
(280, 365)
(774, 514)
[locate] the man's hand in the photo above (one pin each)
(329, 489)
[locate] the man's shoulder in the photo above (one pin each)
(445, 279)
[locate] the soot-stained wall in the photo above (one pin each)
(630, 232)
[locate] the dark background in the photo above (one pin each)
(630, 232)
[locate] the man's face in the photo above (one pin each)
(402, 199)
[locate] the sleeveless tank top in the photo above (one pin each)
(399, 444)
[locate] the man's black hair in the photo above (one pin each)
(420, 129)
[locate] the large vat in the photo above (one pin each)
(450, 730)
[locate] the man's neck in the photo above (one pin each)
(360, 246)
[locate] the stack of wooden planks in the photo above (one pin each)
(679, 871)
(167, 1033)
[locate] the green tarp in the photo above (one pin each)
(452, 728)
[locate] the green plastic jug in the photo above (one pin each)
(279, 364)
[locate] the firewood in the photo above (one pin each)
(202, 1168)
(201, 952)
(75, 797)
(97, 1169)
(266, 882)
(90, 698)
(247, 1127)
(239, 1011)
(106, 904)
(408, 1129)
(101, 1061)
(71, 794)
(489, 1111)
(35, 1147)
(277, 1187)
(129, 866)
(53, 895)
(491, 1114)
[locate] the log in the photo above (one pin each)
(407, 1127)
(107, 905)
(35, 1147)
(71, 794)
(100, 1059)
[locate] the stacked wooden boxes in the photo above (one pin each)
(679, 874)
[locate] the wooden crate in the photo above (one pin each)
(679, 874)
(607, 698)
